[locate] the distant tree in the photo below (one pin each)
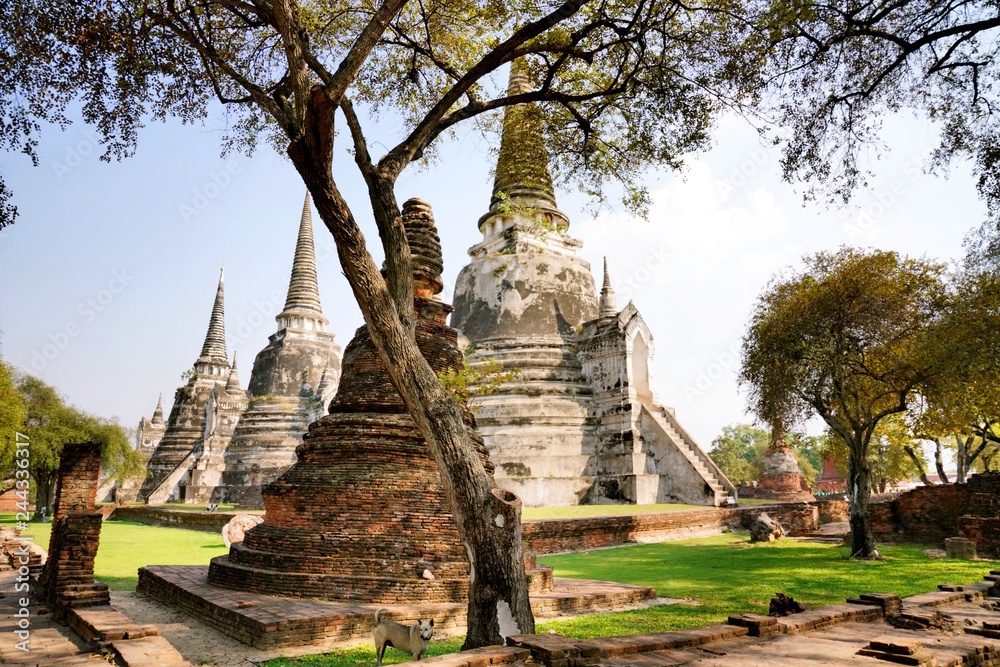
(738, 451)
(847, 340)
(961, 407)
(896, 454)
(50, 424)
(12, 414)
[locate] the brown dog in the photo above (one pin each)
(410, 638)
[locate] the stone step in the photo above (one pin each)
(152, 651)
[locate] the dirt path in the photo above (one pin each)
(197, 642)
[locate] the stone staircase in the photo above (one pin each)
(721, 487)
(162, 491)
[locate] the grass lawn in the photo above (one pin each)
(578, 511)
(725, 574)
(127, 546)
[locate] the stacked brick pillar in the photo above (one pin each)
(67, 580)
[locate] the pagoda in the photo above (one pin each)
(575, 419)
(203, 416)
(293, 380)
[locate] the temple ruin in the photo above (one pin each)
(579, 422)
(201, 421)
(222, 443)
(294, 378)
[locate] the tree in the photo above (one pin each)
(848, 340)
(960, 408)
(841, 66)
(738, 451)
(621, 84)
(50, 424)
(12, 415)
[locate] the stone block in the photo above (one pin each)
(960, 548)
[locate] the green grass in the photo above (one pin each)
(127, 546)
(578, 511)
(725, 575)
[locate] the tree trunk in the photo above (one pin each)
(44, 492)
(961, 459)
(972, 455)
(939, 462)
(919, 464)
(487, 518)
(859, 479)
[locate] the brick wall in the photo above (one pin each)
(929, 514)
(562, 535)
(832, 510)
(210, 522)
(925, 515)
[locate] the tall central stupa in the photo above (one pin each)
(579, 423)
(294, 378)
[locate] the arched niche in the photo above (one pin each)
(639, 369)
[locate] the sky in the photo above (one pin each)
(110, 271)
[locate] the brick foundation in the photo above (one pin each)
(266, 622)
(565, 535)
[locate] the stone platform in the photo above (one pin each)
(268, 622)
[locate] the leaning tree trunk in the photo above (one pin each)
(487, 518)
(918, 464)
(939, 461)
(859, 479)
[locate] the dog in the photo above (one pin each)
(410, 638)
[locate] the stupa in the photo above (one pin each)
(203, 416)
(579, 423)
(293, 380)
(782, 479)
(361, 515)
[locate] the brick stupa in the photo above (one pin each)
(361, 515)
(782, 479)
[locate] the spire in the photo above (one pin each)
(328, 382)
(303, 288)
(233, 383)
(425, 247)
(522, 177)
(214, 349)
(608, 308)
(158, 412)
